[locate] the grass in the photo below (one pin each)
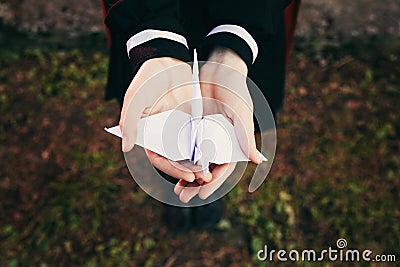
(65, 201)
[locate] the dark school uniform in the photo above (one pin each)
(270, 23)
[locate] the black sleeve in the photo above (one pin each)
(125, 18)
(255, 16)
(132, 16)
(129, 17)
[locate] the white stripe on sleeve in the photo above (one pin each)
(241, 32)
(148, 35)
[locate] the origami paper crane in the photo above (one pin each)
(177, 135)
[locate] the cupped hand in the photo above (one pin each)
(161, 84)
(224, 91)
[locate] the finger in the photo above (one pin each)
(197, 170)
(241, 114)
(179, 186)
(200, 181)
(146, 87)
(172, 169)
(244, 129)
(220, 173)
(200, 176)
(182, 184)
(189, 192)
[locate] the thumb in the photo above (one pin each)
(130, 116)
(244, 129)
(138, 97)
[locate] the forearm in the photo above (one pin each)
(227, 56)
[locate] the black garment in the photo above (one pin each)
(263, 19)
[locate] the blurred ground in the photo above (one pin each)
(319, 20)
(66, 202)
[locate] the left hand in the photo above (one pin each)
(226, 84)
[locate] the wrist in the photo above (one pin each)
(228, 57)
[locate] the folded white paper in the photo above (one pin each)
(177, 135)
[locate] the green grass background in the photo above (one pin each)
(66, 197)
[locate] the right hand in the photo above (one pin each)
(161, 84)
